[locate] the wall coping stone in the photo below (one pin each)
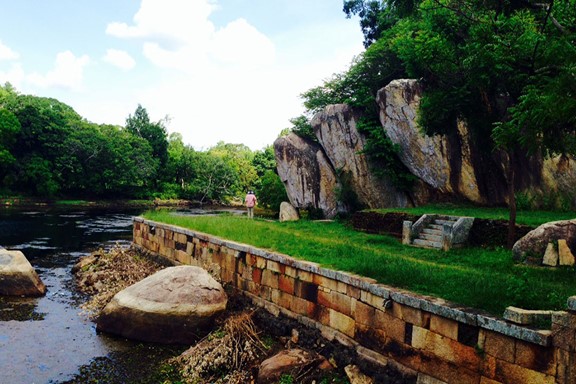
(571, 303)
(430, 304)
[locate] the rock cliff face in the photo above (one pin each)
(335, 128)
(309, 179)
(455, 167)
(445, 165)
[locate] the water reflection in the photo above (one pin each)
(46, 339)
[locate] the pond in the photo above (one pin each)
(49, 339)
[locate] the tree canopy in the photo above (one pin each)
(48, 150)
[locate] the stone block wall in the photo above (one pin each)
(421, 336)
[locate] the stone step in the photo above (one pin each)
(431, 237)
(427, 244)
(441, 222)
(433, 231)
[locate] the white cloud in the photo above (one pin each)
(231, 83)
(15, 76)
(177, 34)
(120, 59)
(170, 23)
(68, 72)
(6, 53)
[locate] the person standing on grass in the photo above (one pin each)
(250, 201)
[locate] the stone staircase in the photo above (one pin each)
(437, 231)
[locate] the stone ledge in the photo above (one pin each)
(429, 304)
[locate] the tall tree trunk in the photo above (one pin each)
(511, 201)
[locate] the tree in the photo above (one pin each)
(9, 130)
(214, 179)
(155, 133)
(239, 158)
(507, 70)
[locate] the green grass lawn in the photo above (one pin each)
(531, 218)
(474, 277)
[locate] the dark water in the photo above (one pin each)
(47, 340)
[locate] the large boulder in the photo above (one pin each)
(309, 178)
(288, 212)
(171, 306)
(335, 128)
(532, 247)
(17, 276)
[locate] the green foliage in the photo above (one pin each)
(302, 127)
(238, 157)
(271, 192)
(47, 149)
(474, 277)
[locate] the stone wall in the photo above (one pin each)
(421, 336)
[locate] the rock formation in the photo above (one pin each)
(335, 128)
(309, 179)
(456, 166)
(17, 276)
(427, 157)
(170, 306)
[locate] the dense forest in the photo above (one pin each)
(48, 150)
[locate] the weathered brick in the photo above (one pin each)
(392, 326)
(353, 292)
(363, 313)
(325, 298)
(535, 357)
(270, 278)
(302, 307)
(273, 265)
(485, 380)
(286, 284)
(226, 275)
(419, 336)
(305, 276)
(341, 287)
(285, 300)
(342, 323)
(411, 315)
(511, 373)
(444, 326)
(500, 346)
(257, 275)
(325, 282)
(260, 262)
(371, 299)
(180, 238)
(182, 257)
(342, 303)
(566, 366)
(290, 271)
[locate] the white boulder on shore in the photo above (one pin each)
(171, 306)
(17, 276)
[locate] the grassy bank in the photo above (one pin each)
(524, 217)
(474, 277)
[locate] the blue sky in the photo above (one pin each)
(221, 70)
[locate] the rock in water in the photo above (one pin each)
(171, 306)
(17, 276)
